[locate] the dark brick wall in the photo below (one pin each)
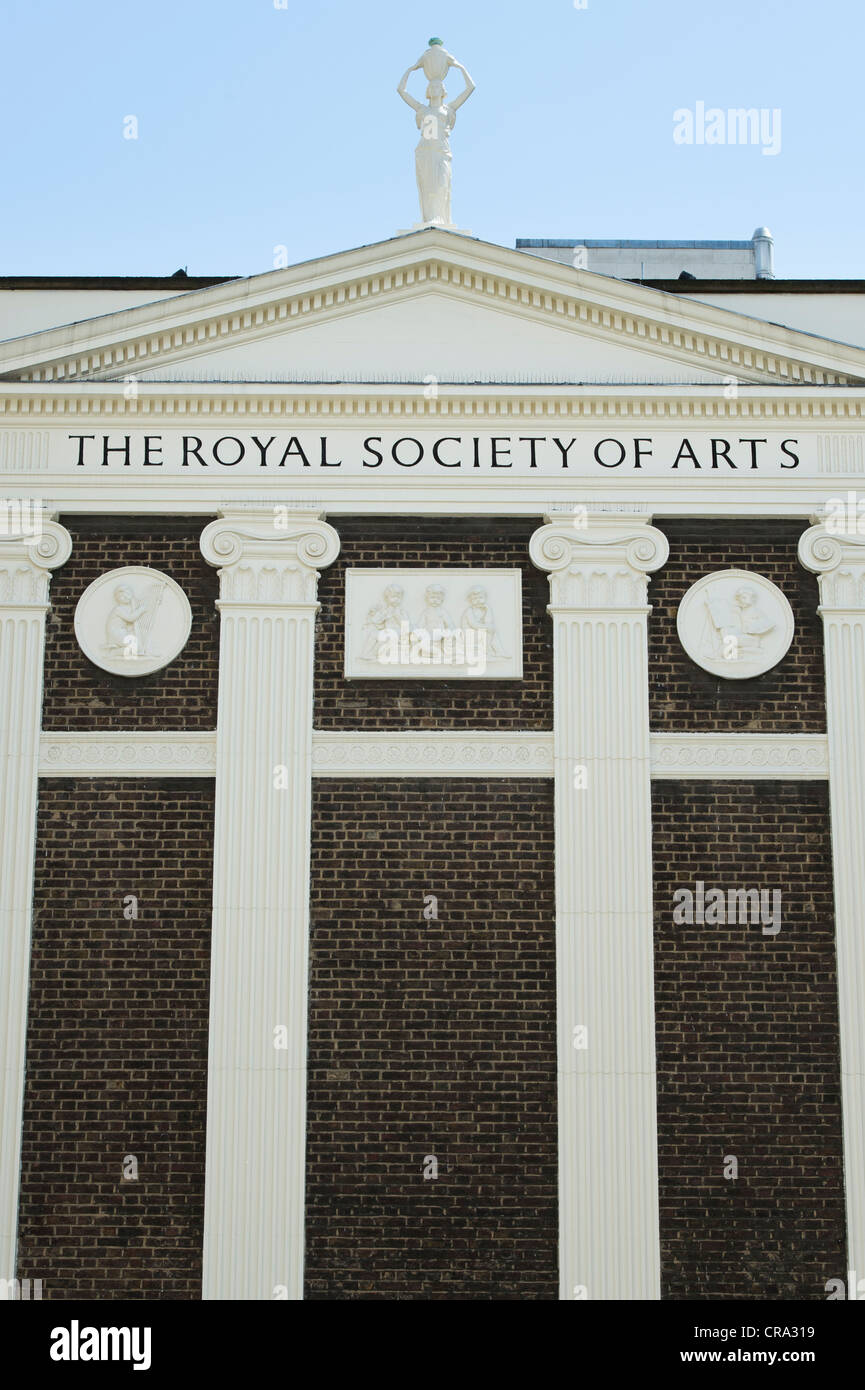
(78, 695)
(432, 1038)
(117, 1040)
(682, 696)
(748, 1051)
(435, 704)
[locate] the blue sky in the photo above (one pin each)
(261, 126)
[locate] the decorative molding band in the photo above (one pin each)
(751, 757)
(437, 753)
(518, 401)
(155, 345)
(127, 754)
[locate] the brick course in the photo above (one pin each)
(79, 695)
(748, 1047)
(682, 696)
(435, 704)
(117, 1040)
(432, 1038)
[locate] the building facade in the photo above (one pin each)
(431, 782)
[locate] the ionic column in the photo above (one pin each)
(25, 571)
(608, 1185)
(840, 564)
(256, 1101)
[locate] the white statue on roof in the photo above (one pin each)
(435, 121)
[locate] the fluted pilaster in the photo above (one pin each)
(839, 561)
(25, 571)
(256, 1132)
(608, 1193)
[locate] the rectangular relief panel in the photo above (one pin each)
(433, 624)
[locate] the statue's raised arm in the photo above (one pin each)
(407, 96)
(466, 93)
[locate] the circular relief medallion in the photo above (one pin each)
(735, 624)
(132, 621)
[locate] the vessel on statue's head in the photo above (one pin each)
(435, 121)
(435, 62)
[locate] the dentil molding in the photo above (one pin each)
(161, 335)
(215, 402)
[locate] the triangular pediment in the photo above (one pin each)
(430, 306)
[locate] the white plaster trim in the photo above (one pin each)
(749, 757)
(309, 403)
(437, 753)
(257, 1045)
(135, 754)
(661, 496)
(839, 561)
(609, 1245)
(25, 566)
(522, 286)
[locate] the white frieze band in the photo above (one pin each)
(436, 753)
(133, 754)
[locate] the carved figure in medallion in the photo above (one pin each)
(737, 626)
(130, 622)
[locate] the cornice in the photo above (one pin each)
(600, 307)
